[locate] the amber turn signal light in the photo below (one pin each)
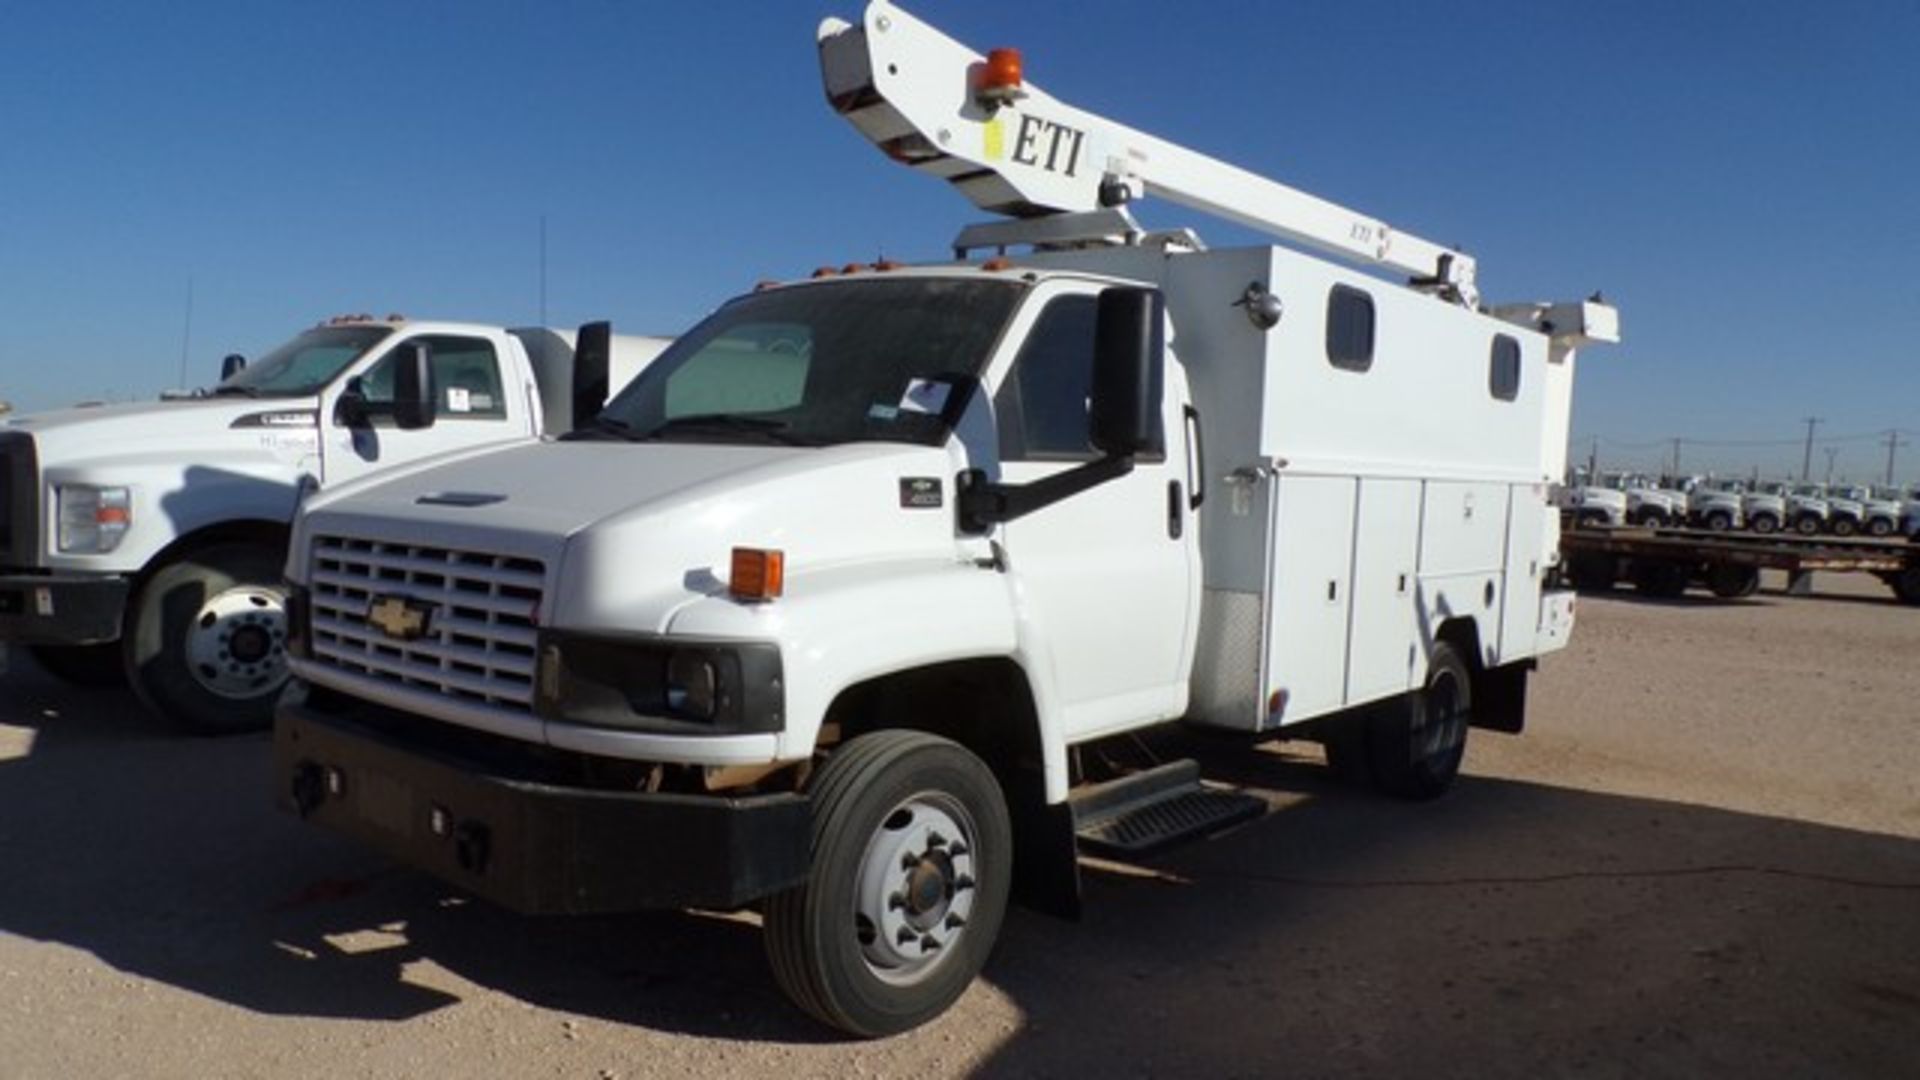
(757, 573)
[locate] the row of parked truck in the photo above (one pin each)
(1763, 506)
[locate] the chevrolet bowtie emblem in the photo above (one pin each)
(398, 617)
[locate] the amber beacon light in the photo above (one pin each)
(1000, 78)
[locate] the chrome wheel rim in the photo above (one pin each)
(237, 643)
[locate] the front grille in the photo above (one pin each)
(19, 500)
(478, 644)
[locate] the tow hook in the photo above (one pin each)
(309, 788)
(472, 846)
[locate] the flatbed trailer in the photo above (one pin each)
(1664, 562)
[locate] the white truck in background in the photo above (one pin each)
(146, 541)
(824, 609)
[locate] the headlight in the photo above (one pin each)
(651, 683)
(93, 519)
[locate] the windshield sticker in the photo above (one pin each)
(925, 396)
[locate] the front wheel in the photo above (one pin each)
(1807, 525)
(1765, 523)
(208, 639)
(83, 665)
(1879, 527)
(1844, 527)
(912, 858)
(1720, 521)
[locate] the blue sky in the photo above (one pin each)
(1737, 176)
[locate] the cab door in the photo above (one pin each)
(1103, 579)
(471, 407)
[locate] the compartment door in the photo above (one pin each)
(1308, 598)
(1383, 649)
(1526, 563)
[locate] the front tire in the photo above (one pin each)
(1844, 527)
(912, 858)
(1879, 527)
(83, 665)
(1720, 521)
(1765, 524)
(207, 644)
(1807, 525)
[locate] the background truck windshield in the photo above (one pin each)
(305, 364)
(812, 365)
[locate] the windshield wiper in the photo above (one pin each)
(729, 424)
(224, 390)
(600, 427)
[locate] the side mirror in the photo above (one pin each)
(351, 409)
(1129, 369)
(232, 364)
(592, 355)
(413, 386)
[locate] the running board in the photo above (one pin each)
(1153, 810)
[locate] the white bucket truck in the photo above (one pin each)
(145, 541)
(824, 616)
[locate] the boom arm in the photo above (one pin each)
(913, 91)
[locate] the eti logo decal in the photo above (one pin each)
(1043, 144)
(399, 617)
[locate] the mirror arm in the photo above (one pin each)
(982, 504)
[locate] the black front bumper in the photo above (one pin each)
(52, 609)
(535, 847)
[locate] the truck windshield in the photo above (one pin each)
(889, 360)
(304, 365)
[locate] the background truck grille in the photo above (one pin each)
(479, 639)
(19, 501)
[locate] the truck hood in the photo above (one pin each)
(205, 430)
(628, 533)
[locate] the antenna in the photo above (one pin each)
(186, 336)
(543, 270)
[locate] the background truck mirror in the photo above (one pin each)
(592, 353)
(413, 386)
(232, 364)
(1128, 372)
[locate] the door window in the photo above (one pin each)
(1042, 406)
(466, 380)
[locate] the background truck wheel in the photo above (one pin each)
(1879, 527)
(1906, 584)
(83, 665)
(1806, 525)
(1660, 578)
(1415, 743)
(1844, 526)
(1731, 582)
(1592, 573)
(1649, 518)
(912, 857)
(1720, 521)
(207, 641)
(1765, 523)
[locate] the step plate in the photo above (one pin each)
(1165, 821)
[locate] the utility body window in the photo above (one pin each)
(1503, 376)
(1349, 328)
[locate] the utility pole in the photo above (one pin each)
(1830, 451)
(1894, 442)
(1676, 461)
(1806, 462)
(1593, 459)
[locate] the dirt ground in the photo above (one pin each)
(1703, 858)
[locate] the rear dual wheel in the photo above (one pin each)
(1410, 747)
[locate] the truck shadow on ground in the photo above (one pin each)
(1527, 926)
